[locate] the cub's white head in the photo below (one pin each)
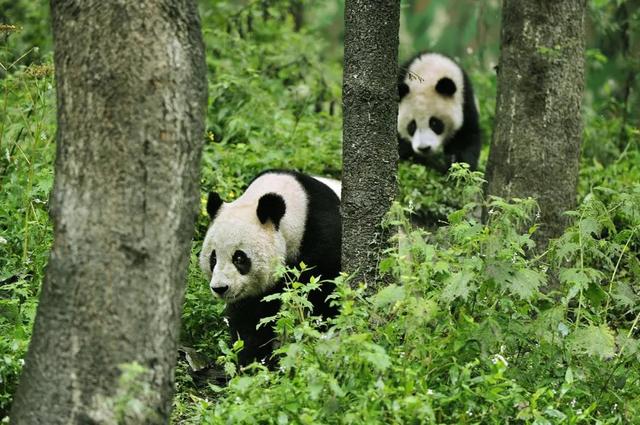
(431, 103)
(243, 246)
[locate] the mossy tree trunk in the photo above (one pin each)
(131, 99)
(369, 147)
(535, 149)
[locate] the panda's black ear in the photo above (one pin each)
(446, 87)
(403, 90)
(213, 204)
(271, 207)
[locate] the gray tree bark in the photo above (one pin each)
(535, 149)
(370, 145)
(131, 99)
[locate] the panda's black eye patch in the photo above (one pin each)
(436, 125)
(241, 261)
(412, 127)
(403, 90)
(212, 260)
(446, 87)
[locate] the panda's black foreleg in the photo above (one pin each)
(244, 317)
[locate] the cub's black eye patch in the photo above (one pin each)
(436, 125)
(403, 90)
(446, 87)
(412, 127)
(212, 260)
(241, 261)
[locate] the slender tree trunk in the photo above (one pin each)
(538, 131)
(297, 11)
(131, 90)
(370, 147)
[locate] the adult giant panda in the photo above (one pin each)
(437, 113)
(284, 217)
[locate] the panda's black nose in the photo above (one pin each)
(425, 149)
(220, 289)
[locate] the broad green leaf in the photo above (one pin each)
(389, 295)
(576, 279)
(589, 226)
(594, 341)
(624, 295)
(525, 283)
(457, 286)
(377, 356)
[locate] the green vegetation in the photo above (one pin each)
(473, 329)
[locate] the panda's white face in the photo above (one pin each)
(252, 236)
(430, 109)
(240, 254)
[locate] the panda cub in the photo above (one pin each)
(284, 217)
(437, 113)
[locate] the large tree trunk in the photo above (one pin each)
(538, 130)
(131, 84)
(370, 141)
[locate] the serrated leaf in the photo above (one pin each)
(628, 345)
(386, 265)
(595, 294)
(242, 383)
(577, 280)
(525, 283)
(377, 356)
(589, 226)
(441, 266)
(389, 295)
(457, 286)
(624, 295)
(594, 341)
(573, 276)
(566, 249)
(499, 272)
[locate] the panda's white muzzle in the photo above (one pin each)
(425, 142)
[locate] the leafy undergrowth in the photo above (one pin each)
(26, 177)
(471, 330)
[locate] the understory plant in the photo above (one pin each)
(474, 328)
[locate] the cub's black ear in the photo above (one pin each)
(403, 90)
(446, 87)
(213, 204)
(271, 207)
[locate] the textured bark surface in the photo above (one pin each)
(536, 143)
(131, 84)
(370, 146)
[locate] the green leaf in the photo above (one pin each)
(389, 295)
(594, 341)
(377, 356)
(589, 226)
(525, 283)
(566, 249)
(457, 286)
(624, 295)
(576, 278)
(242, 384)
(595, 294)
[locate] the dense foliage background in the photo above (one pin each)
(472, 330)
